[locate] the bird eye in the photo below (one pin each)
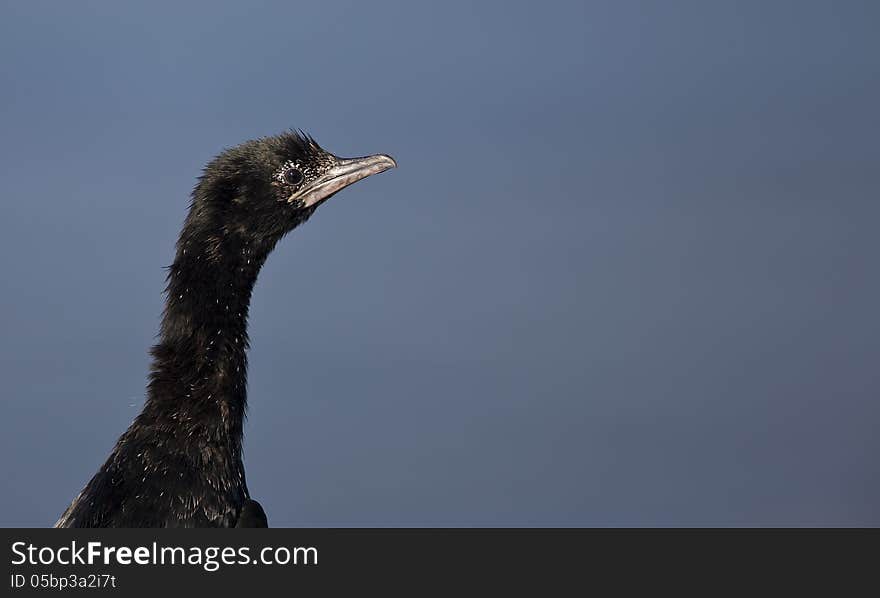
(293, 177)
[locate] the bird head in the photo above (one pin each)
(260, 190)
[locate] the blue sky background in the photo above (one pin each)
(626, 272)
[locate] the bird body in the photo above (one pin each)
(180, 464)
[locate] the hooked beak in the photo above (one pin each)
(343, 173)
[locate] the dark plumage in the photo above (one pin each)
(179, 464)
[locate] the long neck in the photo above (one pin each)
(199, 373)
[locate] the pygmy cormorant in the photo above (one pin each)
(179, 464)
